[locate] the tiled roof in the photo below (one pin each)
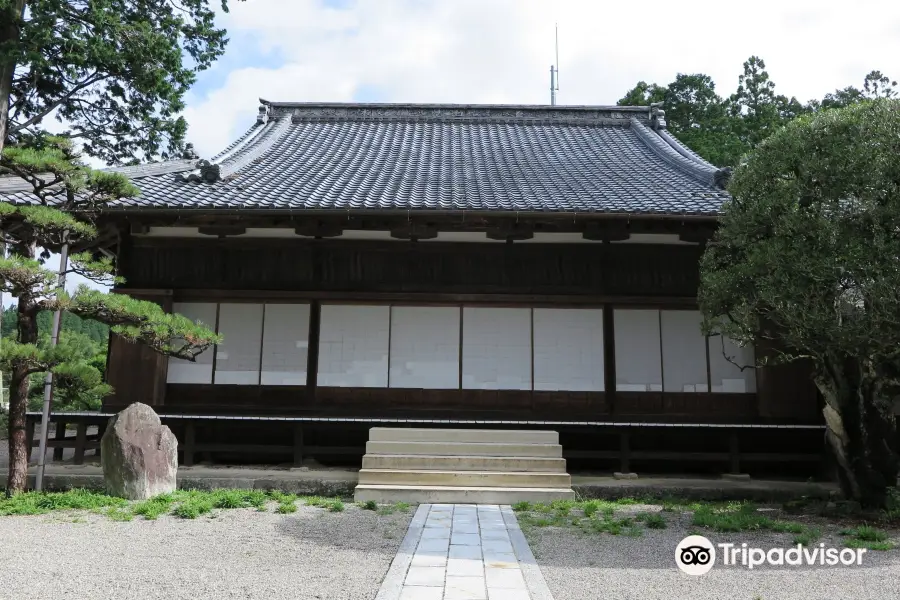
(322, 157)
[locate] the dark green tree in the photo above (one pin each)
(807, 254)
(115, 73)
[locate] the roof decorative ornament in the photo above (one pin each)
(722, 177)
(189, 153)
(264, 112)
(657, 116)
(204, 171)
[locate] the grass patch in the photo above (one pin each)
(880, 546)
(653, 521)
(402, 506)
(117, 513)
(369, 505)
(193, 507)
(38, 503)
(154, 507)
(808, 537)
(286, 508)
(866, 536)
(521, 506)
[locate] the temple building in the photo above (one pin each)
(513, 265)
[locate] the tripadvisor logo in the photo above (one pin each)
(696, 555)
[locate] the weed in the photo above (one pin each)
(335, 505)
(787, 527)
(286, 507)
(632, 531)
(857, 543)
(154, 507)
(866, 533)
(116, 513)
(808, 537)
(402, 506)
(193, 507)
(369, 505)
(654, 521)
(521, 506)
(37, 503)
(590, 508)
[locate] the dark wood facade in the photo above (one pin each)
(607, 275)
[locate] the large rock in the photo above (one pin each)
(139, 454)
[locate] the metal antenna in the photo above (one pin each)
(554, 71)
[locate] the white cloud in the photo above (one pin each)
(499, 51)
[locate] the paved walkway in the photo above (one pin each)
(464, 552)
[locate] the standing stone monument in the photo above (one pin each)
(139, 454)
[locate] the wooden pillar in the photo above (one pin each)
(80, 438)
(189, 443)
(609, 358)
(30, 424)
(60, 437)
(135, 372)
(625, 452)
(312, 355)
(734, 451)
(298, 445)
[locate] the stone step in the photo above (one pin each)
(465, 449)
(458, 494)
(465, 478)
(506, 464)
(425, 434)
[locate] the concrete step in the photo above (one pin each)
(424, 434)
(464, 449)
(507, 464)
(465, 478)
(458, 494)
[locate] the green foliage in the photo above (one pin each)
(369, 505)
(154, 507)
(37, 503)
(866, 536)
(723, 129)
(114, 71)
(653, 520)
(806, 255)
(808, 537)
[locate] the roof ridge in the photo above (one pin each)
(684, 150)
(556, 114)
(704, 173)
(592, 122)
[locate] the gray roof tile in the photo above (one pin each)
(441, 157)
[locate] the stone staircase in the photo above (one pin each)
(468, 466)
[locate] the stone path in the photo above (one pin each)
(464, 552)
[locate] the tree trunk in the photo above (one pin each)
(9, 34)
(17, 478)
(861, 430)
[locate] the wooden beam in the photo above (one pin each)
(319, 229)
(222, 230)
(606, 231)
(414, 231)
(511, 232)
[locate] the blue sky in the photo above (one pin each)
(500, 51)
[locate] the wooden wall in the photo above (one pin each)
(411, 267)
(166, 270)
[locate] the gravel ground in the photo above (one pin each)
(581, 566)
(241, 553)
